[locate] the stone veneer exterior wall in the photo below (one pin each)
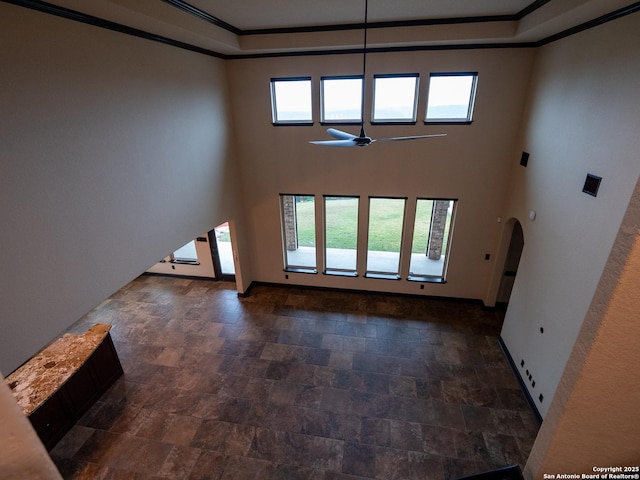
(436, 235)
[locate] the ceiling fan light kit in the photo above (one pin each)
(344, 139)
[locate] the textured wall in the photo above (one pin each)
(23, 456)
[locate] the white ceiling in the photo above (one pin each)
(257, 14)
(160, 17)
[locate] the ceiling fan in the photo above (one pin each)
(344, 139)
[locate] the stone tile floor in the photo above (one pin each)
(294, 383)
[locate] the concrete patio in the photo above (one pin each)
(387, 262)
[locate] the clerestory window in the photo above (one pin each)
(395, 98)
(291, 101)
(451, 97)
(341, 99)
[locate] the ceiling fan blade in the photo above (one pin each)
(340, 135)
(415, 137)
(336, 143)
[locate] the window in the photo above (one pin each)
(299, 232)
(341, 99)
(291, 101)
(186, 254)
(394, 98)
(386, 219)
(341, 234)
(431, 239)
(451, 97)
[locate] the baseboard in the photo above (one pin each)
(247, 292)
(322, 288)
(187, 277)
(527, 395)
(494, 308)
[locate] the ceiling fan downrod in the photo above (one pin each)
(344, 139)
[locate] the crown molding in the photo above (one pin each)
(77, 16)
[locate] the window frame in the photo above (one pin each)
(274, 104)
(380, 274)
(287, 266)
(471, 104)
(347, 272)
(434, 278)
(178, 260)
(323, 120)
(416, 94)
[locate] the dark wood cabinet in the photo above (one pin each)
(104, 365)
(79, 391)
(52, 420)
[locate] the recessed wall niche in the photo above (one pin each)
(591, 185)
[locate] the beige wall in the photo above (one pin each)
(583, 117)
(115, 151)
(593, 419)
(472, 163)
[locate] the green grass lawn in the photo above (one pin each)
(305, 213)
(385, 224)
(342, 223)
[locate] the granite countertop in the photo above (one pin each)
(40, 377)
